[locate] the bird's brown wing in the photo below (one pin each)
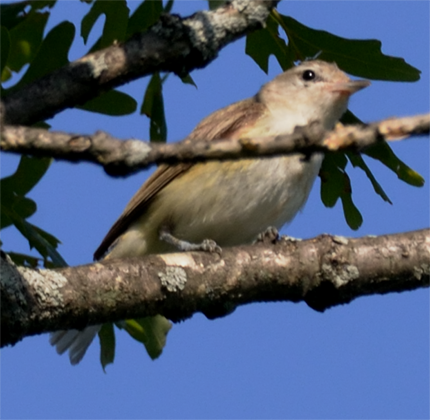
(223, 123)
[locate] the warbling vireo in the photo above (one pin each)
(229, 202)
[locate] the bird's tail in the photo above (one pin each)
(77, 342)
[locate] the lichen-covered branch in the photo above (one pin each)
(174, 44)
(324, 271)
(120, 157)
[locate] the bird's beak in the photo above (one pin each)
(348, 88)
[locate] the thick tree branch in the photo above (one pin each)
(174, 44)
(120, 157)
(324, 271)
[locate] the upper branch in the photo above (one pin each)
(120, 157)
(174, 44)
(323, 272)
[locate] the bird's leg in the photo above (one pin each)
(207, 245)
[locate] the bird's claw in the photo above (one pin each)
(208, 245)
(269, 236)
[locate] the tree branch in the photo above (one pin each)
(119, 157)
(174, 44)
(323, 272)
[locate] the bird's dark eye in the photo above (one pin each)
(308, 75)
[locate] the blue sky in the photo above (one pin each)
(368, 359)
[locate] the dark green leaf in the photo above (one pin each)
(168, 6)
(151, 331)
(6, 74)
(45, 243)
(153, 108)
(112, 103)
(336, 184)
(352, 214)
(41, 4)
(107, 344)
(4, 215)
(357, 161)
(5, 46)
(383, 153)
(361, 58)
(15, 207)
(350, 118)
(261, 44)
(14, 187)
(29, 172)
(214, 4)
(23, 206)
(332, 178)
(52, 53)
(115, 26)
(12, 14)
(144, 16)
(51, 239)
(26, 39)
(41, 124)
(24, 259)
(188, 80)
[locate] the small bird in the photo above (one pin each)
(225, 203)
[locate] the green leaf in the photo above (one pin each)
(350, 118)
(168, 6)
(144, 16)
(29, 172)
(214, 4)
(188, 80)
(4, 52)
(26, 38)
(115, 26)
(24, 259)
(52, 54)
(151, 331)
(42, 241)
(14, 187)
(352, 215)
(42, 124)
(336, 184)
(384, 153)
(357, 161)
(4, 218)
(15, 207)
(113, 102)
(153, 108)
(41, 4)
(12, 14)
(37, 238)
(361, 58)
(107, 344)
(261, 44)
(23, 206)
(332, 177)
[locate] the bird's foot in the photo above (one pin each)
(269, 236)
(207, 245)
